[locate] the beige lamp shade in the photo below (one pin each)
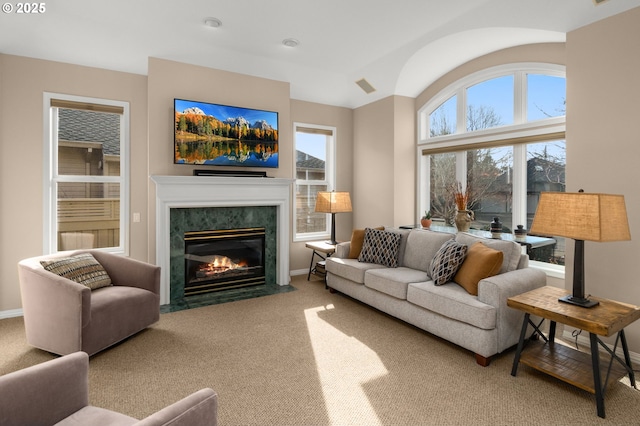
(581, 216)
(333, 202)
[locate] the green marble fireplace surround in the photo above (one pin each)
(216, 218)
(201, 203)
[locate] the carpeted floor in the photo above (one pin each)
(308, 357)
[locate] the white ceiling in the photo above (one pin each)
(399, 46)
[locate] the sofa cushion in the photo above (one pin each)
(380, 247)
(452, 301)
(393, 281)
(81, 268)
(422, 247)
(481, 262)
(511, 250)
(350, 269)
(446, 262)
(357, 239)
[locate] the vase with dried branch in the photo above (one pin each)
(463, 216)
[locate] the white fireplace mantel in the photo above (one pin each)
(220, 191)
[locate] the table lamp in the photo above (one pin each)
(333, 202)
(582, 217)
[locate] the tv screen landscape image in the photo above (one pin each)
(223, 135)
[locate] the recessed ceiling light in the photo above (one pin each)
(212, 22)
(290, 42)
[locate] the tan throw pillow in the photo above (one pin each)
(357, 239)
(82, 268)
(481, 262)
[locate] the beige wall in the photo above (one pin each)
(603, 146)
(169, 80)
(342, 120)
(384, 163)
(404, 162)
(22, 83)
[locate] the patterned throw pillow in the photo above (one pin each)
(357, 239)
(82, 268)
(380, 247)
(446, 262)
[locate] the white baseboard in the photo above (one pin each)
(298, 272)
(11, 314)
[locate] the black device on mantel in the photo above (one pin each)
(230, 173)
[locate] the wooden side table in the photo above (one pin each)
(567, 364)
(322, 249)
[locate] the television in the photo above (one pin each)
(222, 135)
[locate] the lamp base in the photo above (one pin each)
(579, 301)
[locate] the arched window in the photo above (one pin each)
(500, 134)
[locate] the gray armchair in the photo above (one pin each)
(57, 392)
(62, 316)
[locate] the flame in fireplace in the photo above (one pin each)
(221, 264)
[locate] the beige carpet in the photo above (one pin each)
(309, 357)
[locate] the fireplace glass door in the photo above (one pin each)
(223, 259)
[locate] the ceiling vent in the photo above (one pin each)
(364, 85)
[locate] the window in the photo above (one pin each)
(85, 173)
(490, 183)
(509, 149)
(545, 96)
(442, 121)
(490, 103)
(314, 163)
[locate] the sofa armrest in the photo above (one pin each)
(342, 250)
(45, 393)
(497, 289)
(129, 272)
(198, 409)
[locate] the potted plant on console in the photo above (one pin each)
(425, 221)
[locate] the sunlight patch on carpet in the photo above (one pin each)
(344, 365)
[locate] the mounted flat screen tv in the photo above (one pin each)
(222, 135)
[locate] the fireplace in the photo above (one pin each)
(190, 203)
(222, 259)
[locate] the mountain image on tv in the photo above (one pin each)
(222, 135)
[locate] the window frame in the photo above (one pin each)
(517, 135)
(329, 180)
(51, 177)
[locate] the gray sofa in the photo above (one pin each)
(483, 324)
